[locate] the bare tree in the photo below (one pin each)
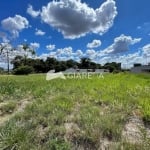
(27, 49)
(5, 50)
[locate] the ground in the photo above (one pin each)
(78, 114)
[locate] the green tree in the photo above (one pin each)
(51, 63)
(85, 63)
(17, 61)
(71, 63)
(40, 66)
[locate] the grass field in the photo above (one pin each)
(75, 114)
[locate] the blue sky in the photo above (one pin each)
(104, 30)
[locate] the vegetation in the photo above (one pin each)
(26, 58)
(5, 52)
(1, 70)
(73, 113)
(41, 66)
(23, 70)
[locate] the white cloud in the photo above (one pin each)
(15, 24)
(75, 19)
(121, 44)
(127, 60)
(91, 53)
(32, 12)
(43, 56)
(52, 54)
(50, 47)
(64, 54)
(79, 53)
(39, 32)
(67, 51)
(4, 37)
(12, 54)
(35, 45)
(94, 44)
(146, 50)
(21, 52)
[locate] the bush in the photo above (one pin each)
(1, 70)
(23, 70)
(116, 71)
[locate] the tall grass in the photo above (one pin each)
(98, 107)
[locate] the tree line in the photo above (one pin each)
(43, 66)
(22, 64)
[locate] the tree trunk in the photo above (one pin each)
(7, 62)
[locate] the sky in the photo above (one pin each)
(103, 30)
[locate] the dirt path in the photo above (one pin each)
(71, 127)
(19, 108)
(135, 131)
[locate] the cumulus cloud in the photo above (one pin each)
(67, 51)
(32, 12)
(15, 24)
(79, 53)
(91, 53)
(146, 50)
(127, 60)
(12, 54)
(60, 54)
(44, 56)
(75, 19)
(50, 47)
(4, 37)
(39, 32)
(94, 44)
(121, 44)
(35, 45)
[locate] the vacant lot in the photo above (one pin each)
(75, 114)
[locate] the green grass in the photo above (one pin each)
(8, 108)
(98, 107)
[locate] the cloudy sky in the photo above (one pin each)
(103, 30)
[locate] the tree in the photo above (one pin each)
(113, 66)
(27, 50)
(39, 66)
(1, 70)
(70, 63)
(17, 61)
(137, 65)
(23, 70)
(5, 50)
(93, 65)
(63, 65)
(51, 63)
(85, 63)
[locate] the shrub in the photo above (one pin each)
(23, 70)
(116, 71)
(2, 70)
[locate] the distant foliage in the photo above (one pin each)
(43, 66)
(23, 70)
(1, 70)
